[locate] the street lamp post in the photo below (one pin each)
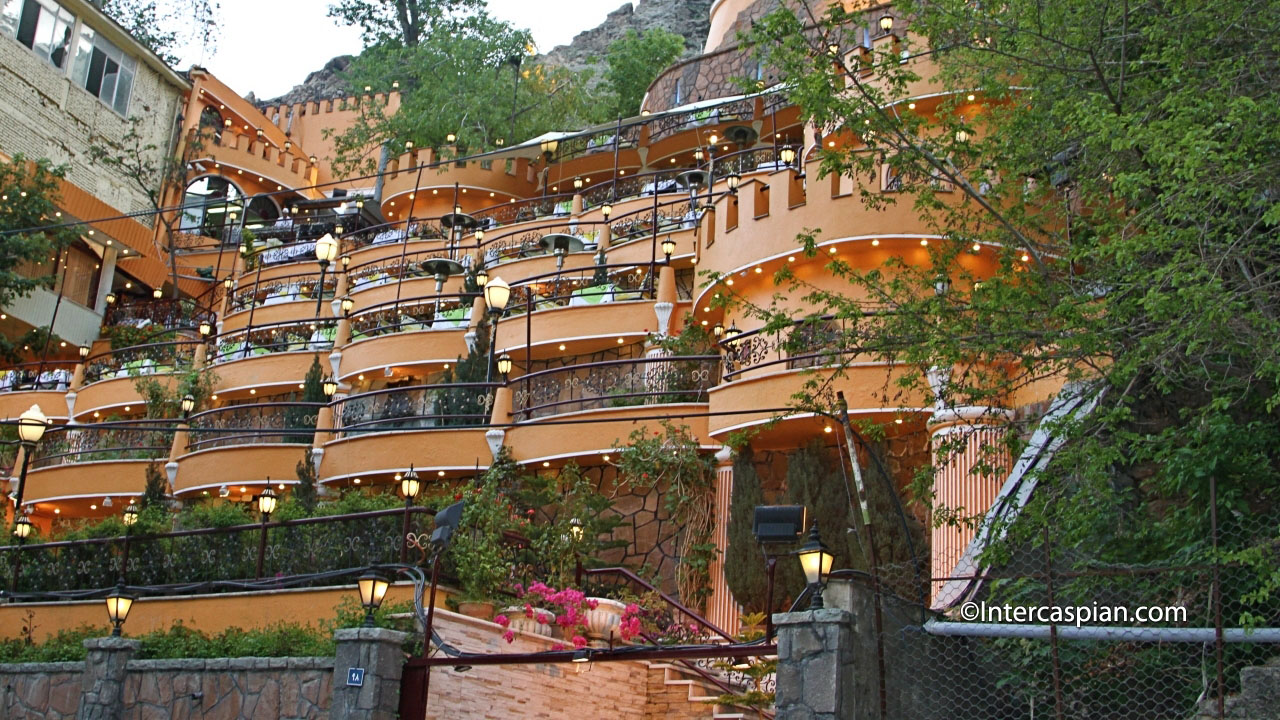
(815, 560)
(373, 587)
(326, 251)
(496, 295)
(266, 506)
(409, 487)
(31, 427)
(129, 518)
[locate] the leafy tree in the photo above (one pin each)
(633, 61)
(156, 489)
(460, 71)
(28, 199)
(744, 564)
(1113, 167)
(166, 26)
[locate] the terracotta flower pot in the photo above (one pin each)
(476, 609)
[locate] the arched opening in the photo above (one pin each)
(210, 206)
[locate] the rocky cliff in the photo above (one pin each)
(688, 18)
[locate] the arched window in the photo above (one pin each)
(262, 211)
(211, 118)
(210, 204)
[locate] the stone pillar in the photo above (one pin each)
(102, 684)
(815, 665)
(722, 609)
(377, 651)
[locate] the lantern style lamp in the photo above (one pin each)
(130, 516)
(22, 528)
(504, 365)
(479, 234)
(346, 260)
(718, 330)
(698, 155)
(606, 210)
(787, 155)
(410, 485)
(326, 251)
(119, 603)
(886, 23)
(732, 181)
(267, 503)
(157, 293)
(373, 587)
(347, 305)
(815, 560)
(228, 282)
(962, 136)
(668, 247)
(111, 298)
(731, 335)
(84, 351)
(577, 183)
(450, 137)
(482, 277)
(496, 294)
(575, 529)
(31, 426)
(205, 329)
(188, 404)
(330, 386)
(312, 159)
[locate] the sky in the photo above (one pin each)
(268, 46)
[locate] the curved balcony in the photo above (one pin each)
(601, 302)
(280, 299)
(615, 384)
(110, 378)
(438, 427)
(168, 314)
(35, 383)
(402, 275)
(88, 462)
(242, 445)
(475, 175)
(411, 331)
(278, 353)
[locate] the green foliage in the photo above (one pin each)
(467, 406)
(814, 481)
(164, 399)
(303, 418)
(634, 60)
(65, 646)
(557, 499)
(669, 461)
(156, 489)
(213, 514)
(482, 562)
(304, 493)
(744, 563)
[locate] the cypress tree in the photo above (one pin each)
(743, 562)
(815, 481)
(156, 489)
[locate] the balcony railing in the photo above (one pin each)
(255, 424)
(430, 312)
(290, 288)
(126, 440)
(168, 313)
(406, 266)
(25, 377)
(523, 242)
(558, 205)
(192, 561)
(615, 384)
(669, 216)
(580, 287)
(393, 232)
(421, 407)
(811, 342)
(258, 340)
(163, 358)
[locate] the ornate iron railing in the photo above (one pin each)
(810, 342)
(633, 186)
(393, 232)
(167, 313)
(256, 424)
(525, 210)
(290, 288)
(376, 273)
(25, 377)
(593, 285)
(523, 242)
(186, 561)
(163, 358)
(669, 217)
(417, 407)
(257, 340)
(616, 383)
(125, 440)
(429, 312)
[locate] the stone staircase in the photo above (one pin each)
(675, 691)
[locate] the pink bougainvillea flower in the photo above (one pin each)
(509, 636)
(557, 646)
(502, 620)
(593, 603)
(579, 641)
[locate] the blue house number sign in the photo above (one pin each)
(355, 677)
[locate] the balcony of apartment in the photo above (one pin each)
(160, 315)
(778, 364)
(110, 378)
(417, 332)
(75, 467)
(286, 298)
(592, 307)
(269, 354)
(477, 181)
(588, 408)
(36, 383)
(436, 427)
(245, 447)
(408, 273)
(238, 153)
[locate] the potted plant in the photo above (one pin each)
(542, 606)
(481, 559)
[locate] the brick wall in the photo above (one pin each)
(44, 114)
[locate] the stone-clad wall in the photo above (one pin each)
(35, 691)
(229, 688)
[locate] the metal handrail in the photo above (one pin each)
(92, 364)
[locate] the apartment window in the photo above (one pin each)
(41, 25)
(104, 70)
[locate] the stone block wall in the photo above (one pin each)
(35, 691)
(227, 688)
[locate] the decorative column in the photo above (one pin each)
(972, 436)
(366, 674)
(722, 609)
(816, 665)
(102, 683)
